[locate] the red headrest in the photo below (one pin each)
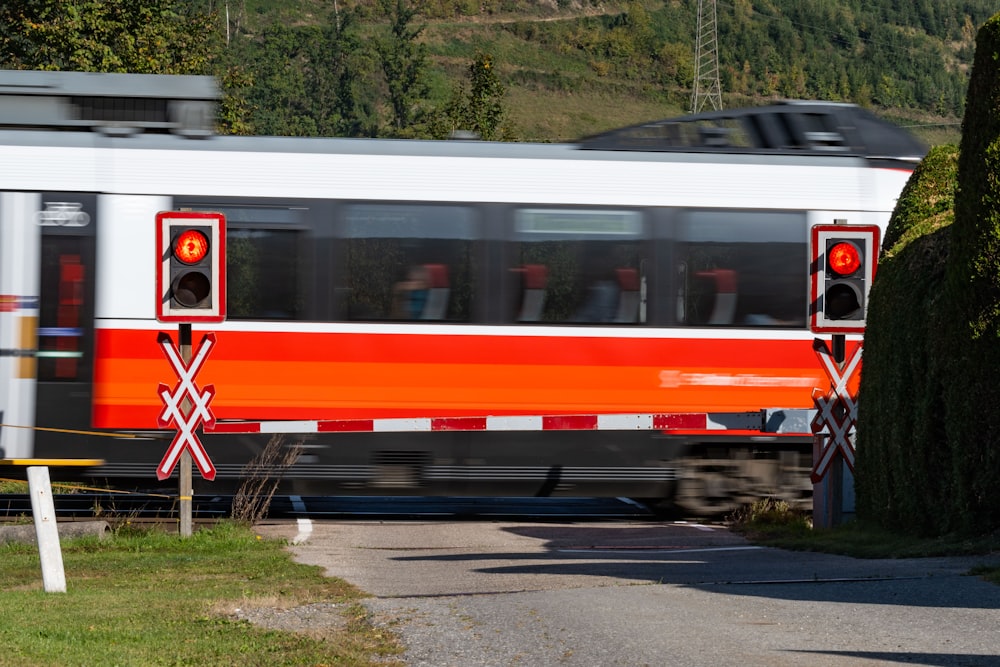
(628, 280)
(437, 275)
(725, 279)
(535, 276)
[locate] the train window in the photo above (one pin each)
(63, 310)
(262, 274)
(66, 298)
(265, 261)
(409, 262)
(577, 266)
(741, 269)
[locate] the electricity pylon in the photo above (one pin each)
(706, 60)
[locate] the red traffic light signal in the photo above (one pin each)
(843, 260)
(191, 266)
(844, 257)
(190, 246)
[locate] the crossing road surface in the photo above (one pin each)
(480, 593)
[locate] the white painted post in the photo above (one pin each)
(47, 532)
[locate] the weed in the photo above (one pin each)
(261, 477)
(769, 512)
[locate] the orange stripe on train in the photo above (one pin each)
(397, 375)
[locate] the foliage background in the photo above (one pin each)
(576, 67)
(560, 69)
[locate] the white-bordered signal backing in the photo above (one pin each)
(191, 266)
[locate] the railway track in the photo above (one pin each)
(137, 506)
(160, 507)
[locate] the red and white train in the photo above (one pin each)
(661, 268)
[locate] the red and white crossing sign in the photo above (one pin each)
(836, 412)
(197, 409)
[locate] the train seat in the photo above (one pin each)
(438, 293)
(724, 310)
(628, 295)
(533, 280)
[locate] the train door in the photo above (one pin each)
(19, 243)
(65, 333)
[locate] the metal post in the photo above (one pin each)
(828, 495)
(46, 529)
(186, 490)
(835, 479)
(839, 350)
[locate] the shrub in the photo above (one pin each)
(901, 447)
(971, 392)
(928, 432)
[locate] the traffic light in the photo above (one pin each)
(191, 273)
(843, 262)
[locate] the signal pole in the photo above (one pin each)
(707, 88)
(842, 260)
(185, 481)
(190, 287)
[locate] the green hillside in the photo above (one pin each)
(572, 68)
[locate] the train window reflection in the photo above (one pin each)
(262, 274)
(577, 266)
(741, 269)
(266, 265)
(409, 262)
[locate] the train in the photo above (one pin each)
(659, 268)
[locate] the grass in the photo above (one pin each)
(773, 523)
(13, 486)
(144, 597)
(16, 486)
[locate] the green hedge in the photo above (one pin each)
(901, 449)
(971, 388)
(929, 403)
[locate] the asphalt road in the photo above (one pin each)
(468, 593)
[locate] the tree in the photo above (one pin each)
(123, 36)
(308, 81)
(138, 36)
(277, 98)
(480, 109)
(477, 109)
(485, 112)
(234, 111)
(404, 64)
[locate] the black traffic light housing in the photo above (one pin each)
(843, 260)
(191, 266)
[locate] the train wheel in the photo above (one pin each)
(709, 493)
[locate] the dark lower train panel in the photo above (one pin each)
(503, 464)
(702, 478)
